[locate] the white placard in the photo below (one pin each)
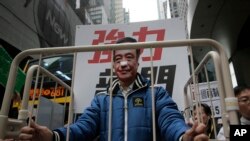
(93, 68)
(209, 96)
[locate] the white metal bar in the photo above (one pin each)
(55, 88)
(210, 99)
(152, 95)
(39, 97)
(111, 99)
(194, 83)
(71, 109)
(64, 104)
(35, 89)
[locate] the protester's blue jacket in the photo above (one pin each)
(131, 116)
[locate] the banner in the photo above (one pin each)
(171, 68)
(5, 61)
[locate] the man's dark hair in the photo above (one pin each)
(128, 40)
(239, 89)
(206, 108)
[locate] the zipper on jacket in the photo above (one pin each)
(125, 118)
(126, 113)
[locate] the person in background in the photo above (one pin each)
(131, 110)
(243, 95)
(206, 117)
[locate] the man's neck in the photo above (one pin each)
(125, 85)
(125, 89)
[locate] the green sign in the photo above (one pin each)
(5, 62)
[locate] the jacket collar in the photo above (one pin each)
(244, 121)
(138, 83)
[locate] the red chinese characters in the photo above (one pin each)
(109, 37)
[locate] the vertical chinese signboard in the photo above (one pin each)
(210, 96)
(171, 69)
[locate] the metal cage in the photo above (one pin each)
(228, 101)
